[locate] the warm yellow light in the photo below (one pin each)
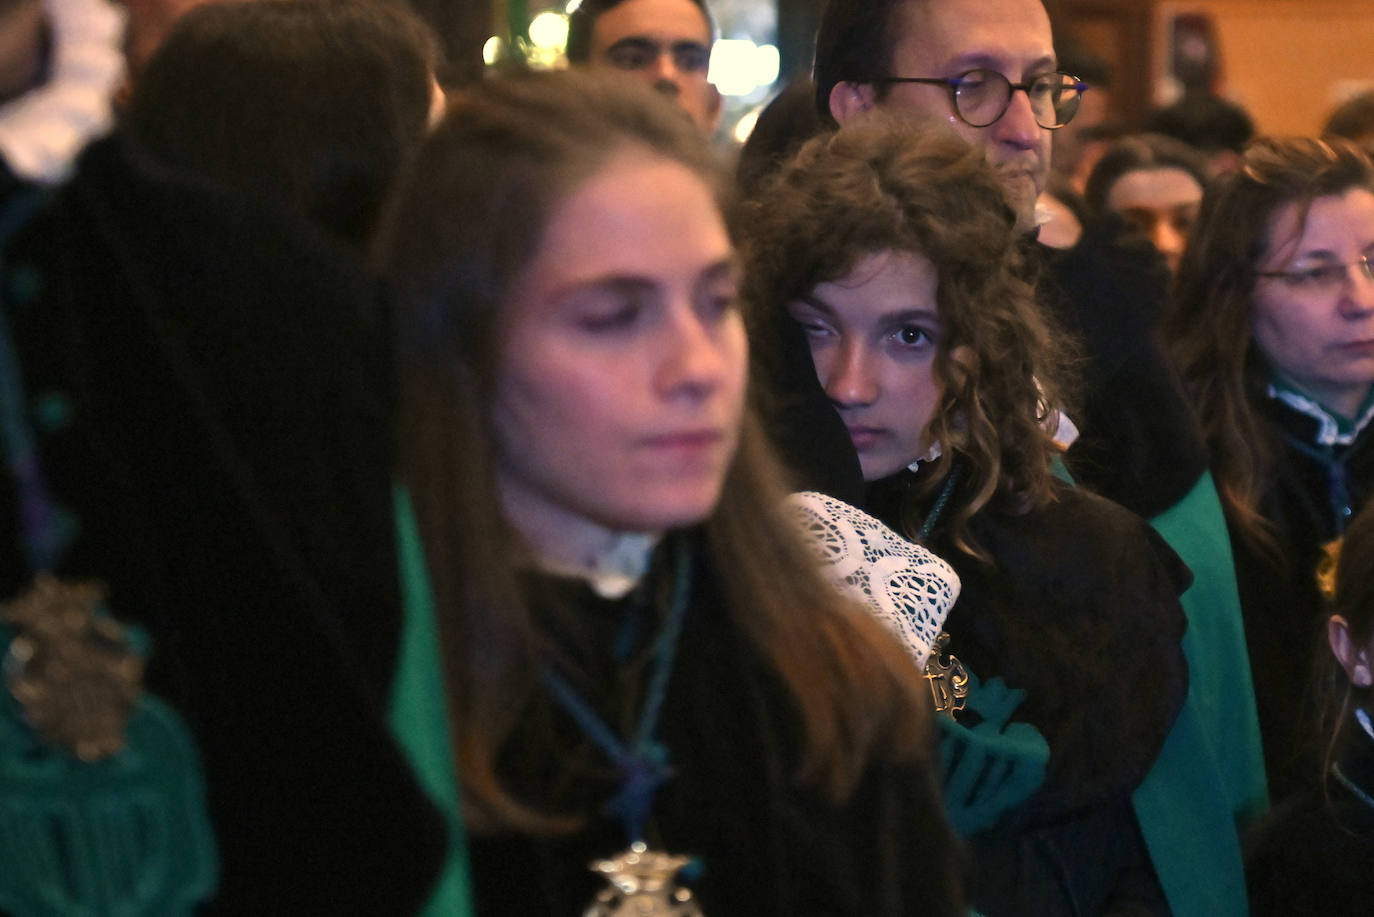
(549, 30)
(493, 50)
(738, 66)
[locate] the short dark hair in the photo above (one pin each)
(314, 103)
(854, 43)
(1207, 122)
(1136, 153)
(582, 19)
(1353, 119)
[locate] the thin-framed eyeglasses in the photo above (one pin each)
(980, 97)
(1324, 278)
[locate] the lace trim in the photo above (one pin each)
(904, 585)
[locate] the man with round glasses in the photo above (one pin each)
(988, 69)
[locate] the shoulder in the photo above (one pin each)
(1080, 541)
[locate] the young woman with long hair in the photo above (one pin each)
(638, 648)
(887, 253)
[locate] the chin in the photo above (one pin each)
(650, 512)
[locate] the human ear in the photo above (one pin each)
(848, 100)
(1354, 660)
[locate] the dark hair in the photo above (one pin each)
(893, 183)
(1352, 598)
(1204, 121)
(788, 121)
(854, 44)
(1353, 119)
(582, 22)
(1209, 328)
(462, 229)
(312, 103)
(1138, 153)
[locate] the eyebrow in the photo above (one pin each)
(982, 60)
(644, 42)
(888, 318)
(630, 284)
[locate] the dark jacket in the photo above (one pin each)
(764, 844)
(1317, 487)
(1078, 607)
(205, 380)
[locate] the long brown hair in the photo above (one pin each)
(462, 228)
(889, 183)
(1353, 599)
(1209, 327)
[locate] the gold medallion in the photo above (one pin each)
(642, 884)
(72, 668)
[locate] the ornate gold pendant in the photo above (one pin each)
(73, 670)
(642, 884)
(947, 677)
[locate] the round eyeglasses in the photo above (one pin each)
(980, 97)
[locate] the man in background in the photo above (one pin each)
(664, 43)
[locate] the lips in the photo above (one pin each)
(863, 437)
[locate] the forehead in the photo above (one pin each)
(944, 37)
(1155, 187)
(879, 285)
(640, 215)
(1339, 224)
(663, 20)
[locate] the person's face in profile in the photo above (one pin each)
(665, 43)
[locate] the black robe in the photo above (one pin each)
(205, 378)
(765, 844)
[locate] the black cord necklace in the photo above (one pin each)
(642, 881)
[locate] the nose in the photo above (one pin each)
(1169, 241)
(1017, 126)
(1357, 300)
(849, 381)
(698, 355)
(667, 77)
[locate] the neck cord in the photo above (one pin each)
(1350, 785)
(643, 760)
(935, 511)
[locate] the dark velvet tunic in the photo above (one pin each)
(205, 383)
(1079, 609)
(1317, 489)
(1311, 856)
(764, 844)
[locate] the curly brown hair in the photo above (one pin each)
(1209, 327)
(896, 184)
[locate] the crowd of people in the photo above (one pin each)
(493, 499)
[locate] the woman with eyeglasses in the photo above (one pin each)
(658, 705)
(1273, 331)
